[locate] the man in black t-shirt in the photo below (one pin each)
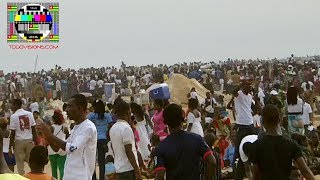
(274, 154)
(180, 154)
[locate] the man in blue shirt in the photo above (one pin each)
(179, 155)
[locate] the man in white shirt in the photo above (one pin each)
(261, 96)
(221, 82)
(307, 114)
(204, 77)
(58, 85)
(100, 84)
(23, 81)
(81, 145)
(23, 133)
(243, 104)
(92, 86)
(58, 89)
(123, 145)
(13, 88)
(34, 106)
(146, 78)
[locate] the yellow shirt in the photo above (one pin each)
(12, 177)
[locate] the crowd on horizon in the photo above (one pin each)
(273, 135)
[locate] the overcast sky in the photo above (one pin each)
(102, 32)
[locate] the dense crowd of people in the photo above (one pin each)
(267, 130)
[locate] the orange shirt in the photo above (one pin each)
(43, 176)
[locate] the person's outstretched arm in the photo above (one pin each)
(305, 170)
(53, 141)
(132, 160)
(127, 139)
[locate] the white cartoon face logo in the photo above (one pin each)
(33, 22)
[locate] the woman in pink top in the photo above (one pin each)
(159, 129)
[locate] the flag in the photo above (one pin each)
(54, 38)
(12, 38)
(54, 8)
(12, 8)
(34, 27)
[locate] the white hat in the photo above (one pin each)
(273, 92)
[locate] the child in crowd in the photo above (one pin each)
(7, 151)
(193, 93)
(222, 124)
(110, 168)
(38, 160)
(155, 141)
(257, 120)
(230, 151)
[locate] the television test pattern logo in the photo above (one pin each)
(32, 23)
